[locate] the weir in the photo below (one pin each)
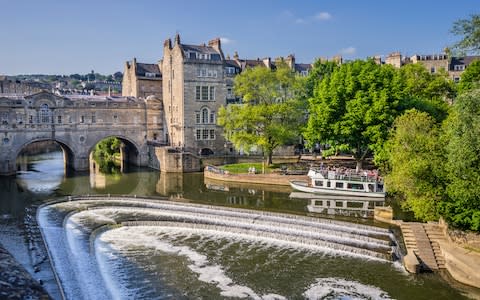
(80, 220)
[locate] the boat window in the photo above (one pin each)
(328, 183)
(380, 187)
(371, 204)
(339, 185)
(319, 202)
(318, 183)
(370, 187)
(355, 186)
(339, 204)
(328, 203)
(354, 204)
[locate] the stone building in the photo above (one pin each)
(192, 82)
(194, 89)
(141, 80)
(459, 64)
(17, 87)
(433, 63)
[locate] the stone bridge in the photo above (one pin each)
(77, 124)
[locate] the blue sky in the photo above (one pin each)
(67, 36)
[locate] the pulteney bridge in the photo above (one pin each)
(78, 123)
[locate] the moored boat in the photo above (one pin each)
(342, 182)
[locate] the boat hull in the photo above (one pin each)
(302, 186)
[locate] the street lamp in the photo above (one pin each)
(225, 153)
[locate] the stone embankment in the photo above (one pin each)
(272, 178)
(16, 282)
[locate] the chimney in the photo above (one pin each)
(267, 62)
(215, 44)
(177, 39)
(235, 55)
(290, 60)
(167, 44)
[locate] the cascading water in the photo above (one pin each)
(107, 235)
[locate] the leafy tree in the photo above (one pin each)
(469, 29)
(462, 130)
(118, 76)
(353, 108)
(270, 115)
(470, 78)
(416, 161)
(106, 153)
(319, 70)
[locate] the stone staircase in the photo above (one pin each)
(423, 241)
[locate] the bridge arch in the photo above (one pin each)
(130, 152)
(68, 151)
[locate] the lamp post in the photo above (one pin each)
(225, 153)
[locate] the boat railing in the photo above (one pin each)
(349, 176)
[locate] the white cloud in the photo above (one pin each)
(226, 41)
(300, 21)
(348, 51)
(323, 16)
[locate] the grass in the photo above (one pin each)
(243, 168)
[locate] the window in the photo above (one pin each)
(59, 119)
(30, 119)
(198, 134)
(432, 70)
(204, 115)
(198, 92)
(82, 119)
(205, 134)
(229, 92)
(115, 118)
(197, 118)
(94, 119)
(212, 93)
(318, 183)
(204, 92)
(44, 114)
(212, 117)
(355, 186)
(339, 185)
(230, 70)
(212, 134)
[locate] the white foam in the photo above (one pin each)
(207, 272)
(339, 288)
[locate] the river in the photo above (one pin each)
(233, 253)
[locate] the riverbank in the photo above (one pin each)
(16, 282)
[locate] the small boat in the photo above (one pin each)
(345, 182)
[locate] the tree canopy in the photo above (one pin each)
(416, 160)
(470, 78)
(270, 114)
(353, 108)
(462, 131)
(469, 30)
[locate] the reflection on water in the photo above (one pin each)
(297, 273)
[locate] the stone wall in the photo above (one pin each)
(172, 160)
(465, 239)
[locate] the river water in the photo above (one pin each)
(205, 240)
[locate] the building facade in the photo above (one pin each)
(193, 82)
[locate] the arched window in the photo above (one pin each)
(44, 114)
(204, 115)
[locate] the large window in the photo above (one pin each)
(44, 114)
(205, 115)
(204, 93)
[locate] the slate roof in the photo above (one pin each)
(147, 68)
(303, 67)
(466, 60)
(199, 48)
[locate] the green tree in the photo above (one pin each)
(354, 107)
(416, 160)
(470, 78)
(462, 130)
(106, 153)
(469, 30)
(319, 70)
(270, 115)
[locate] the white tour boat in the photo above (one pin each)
(345, 182)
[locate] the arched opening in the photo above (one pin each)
(113, 154)
(42, 165)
